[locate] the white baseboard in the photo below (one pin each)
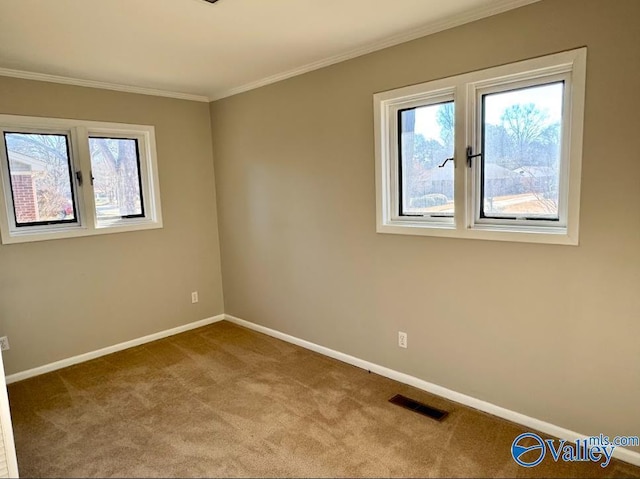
(63, 363)
(620, 453)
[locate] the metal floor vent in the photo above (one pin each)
(420, 408)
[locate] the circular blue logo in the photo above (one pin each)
(518, 450)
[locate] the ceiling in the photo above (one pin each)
(210, 50)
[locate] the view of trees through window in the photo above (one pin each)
(427, 140)
(521, 168)
(521, 157)
(40, 175)
(116, 177)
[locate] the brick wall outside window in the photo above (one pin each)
(24, 198)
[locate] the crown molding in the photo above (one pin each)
(433, 27)
(428, 29)
(26, 75)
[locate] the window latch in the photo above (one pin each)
(79, 177)
(470, 155)
(445, 162)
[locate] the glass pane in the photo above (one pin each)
(116, 177)
(521, 167)
(426, 141)
(40, 174)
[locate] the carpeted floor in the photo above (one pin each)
(223, 401)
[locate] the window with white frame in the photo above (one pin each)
(493, 154)
(67, 178)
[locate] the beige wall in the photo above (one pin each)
(66, 297)
(548, 331)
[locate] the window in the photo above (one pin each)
(426, 160)
(45, 157)
(493, 154)
(66, 178)
(520, 167)
(117, 192)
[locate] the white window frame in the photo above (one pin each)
(87, 223)
(466, 90)
(427, 99)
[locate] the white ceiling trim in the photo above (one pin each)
(428, 29)
(7, 72)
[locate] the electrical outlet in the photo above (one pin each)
(4, 343)
(194, 297)
(402, 339)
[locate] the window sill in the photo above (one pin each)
(14, 237)
(559, 236)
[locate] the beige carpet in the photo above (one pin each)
(224, 401)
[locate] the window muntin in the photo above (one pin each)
(40, 175)
(475, 216)
(521, 152)
(426, 143)
(117, 179)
